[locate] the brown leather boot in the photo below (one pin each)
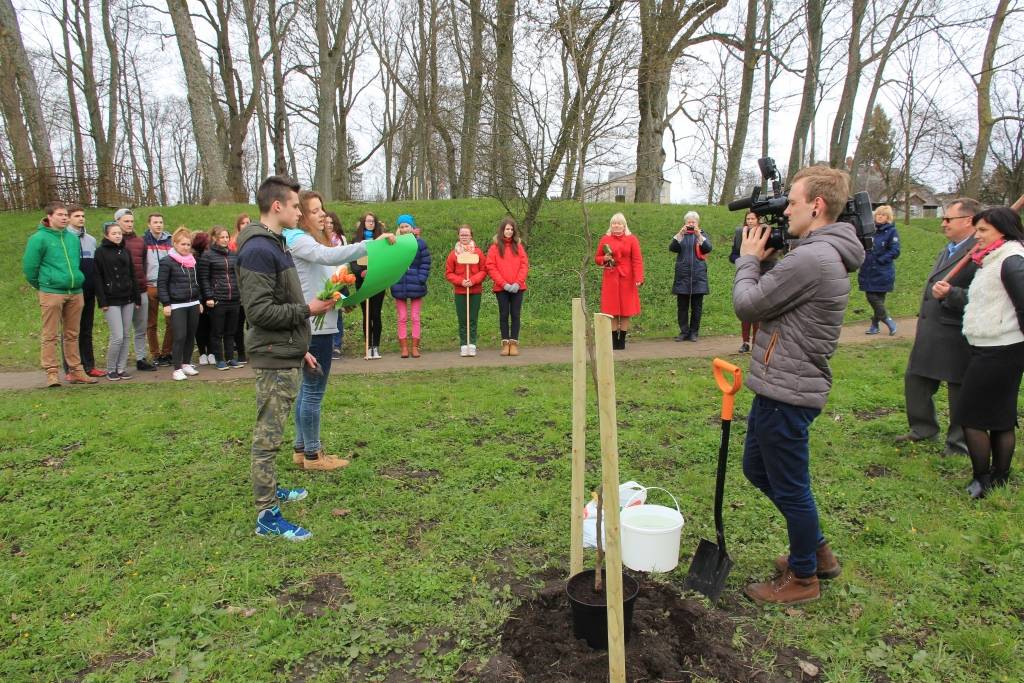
(415, 347)
(403, 344)
(324, 462)
(513, 347)
(504, 347)
(298, 457)
(785, 589)
(79, 377)
(828, 564)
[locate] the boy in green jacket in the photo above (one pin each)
(51, 267)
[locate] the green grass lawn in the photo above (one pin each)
(127, 550)
(556, 248)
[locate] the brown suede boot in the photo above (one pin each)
(513, 347)
(403, 344)
(52, 378)
(79, 377)
(786, 589)
(828, 564)
(324, 462)
(299, 457)
(415, 347)
(504, 347)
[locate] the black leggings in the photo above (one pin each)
(509, 306)
(376, 304)
(184, 322)
(877, 301)
(998, 444)
(223, 322)
(239, 333)
(688, 310)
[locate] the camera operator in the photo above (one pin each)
(799, 304)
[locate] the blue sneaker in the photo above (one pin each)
(221, 365)
(271, 523)
(235, 364)
(290, 495)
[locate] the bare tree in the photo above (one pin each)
(667, 28)
(751, 54)
(815, 28)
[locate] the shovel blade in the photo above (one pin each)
(708, 570)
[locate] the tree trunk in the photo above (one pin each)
(815, 10)
(839, 137)
(13, 49)
(472, 93)
(200, 97)
(330, 50)
(984, 86)
(503, 183)
(739, 140)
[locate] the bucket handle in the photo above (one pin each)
(658, 488)
(640, 489)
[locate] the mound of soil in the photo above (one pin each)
(673, 639)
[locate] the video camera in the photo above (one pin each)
(857, 212)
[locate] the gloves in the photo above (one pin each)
(515, 287)
(508, 288)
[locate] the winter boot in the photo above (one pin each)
(891, 324)
(513, 347)
(403, 344)
(828, 565)
(504, 347)
(415, 347)
(785, 589)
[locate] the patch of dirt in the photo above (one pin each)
(52, 462)
(108, 661)
(417, 531)
(407, 476)
(673, 638)
(521, 391)
(874, 413)
(511, 412)
(71, 447)
(316, 596)
(876, 471)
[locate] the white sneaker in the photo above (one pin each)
(472, 349)
(203, 360)
(179, 375)
(189, 370)
(375, 352)
(463, 350)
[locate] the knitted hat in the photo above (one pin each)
(405, 218)
(122, 212)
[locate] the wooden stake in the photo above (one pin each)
(610, 482)
(579, 425)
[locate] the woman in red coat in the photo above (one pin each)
(507, 266)
(618, 253)
(466, 279)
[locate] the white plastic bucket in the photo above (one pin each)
(650, 536)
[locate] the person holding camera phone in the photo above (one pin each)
(748, 330)
(691, 247)
(800, 305)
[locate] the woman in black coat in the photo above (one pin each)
(219, 283)
(691, 246)
(178, 289)
(118, 296)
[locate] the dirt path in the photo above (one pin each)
(486, 358)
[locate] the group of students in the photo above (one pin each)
(187, 278)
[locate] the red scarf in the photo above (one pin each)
(978, 255)
(696, 247)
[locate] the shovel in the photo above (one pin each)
(711, 563)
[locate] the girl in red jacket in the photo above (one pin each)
(507, 266)
(467, 283)
(618, 253)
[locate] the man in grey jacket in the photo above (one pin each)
(800, 305)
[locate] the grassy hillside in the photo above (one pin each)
(557, 249)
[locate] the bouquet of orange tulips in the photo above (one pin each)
(332, 290)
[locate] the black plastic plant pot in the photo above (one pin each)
(590, 610)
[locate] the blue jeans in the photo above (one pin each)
(340, 334)
(311, 395)
(776, 460)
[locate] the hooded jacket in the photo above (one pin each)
(276, 314)
(51, 261)
(115, 276)
(86, 264)
(878, 274)
(800, 304)
(177, 284)
(510, 267)
(413, 284)
(691, 272)
(217, 277)
(136, 246)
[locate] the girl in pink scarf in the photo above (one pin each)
(178, 290)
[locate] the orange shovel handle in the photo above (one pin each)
(728, 386)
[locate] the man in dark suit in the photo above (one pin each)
(940, 351)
